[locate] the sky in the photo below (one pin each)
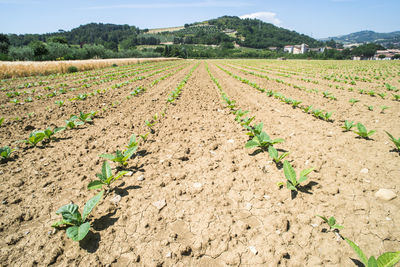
(316, 18)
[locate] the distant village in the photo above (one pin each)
(388, 54)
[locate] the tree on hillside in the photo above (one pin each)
(39, 49)
(4, 43)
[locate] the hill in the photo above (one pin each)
(368, 37)
(252, 33)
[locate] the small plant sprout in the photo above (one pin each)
(73, 122)
(1, 121)
(387, 259)
(5, 153)
(396, 97)
(85, 117)
(348, 125)
(34, 138)
(105, 177)
(331, 222)
(362, 131)
(132, 142)
(120, 157)
(263, 141)
(49, 132)
(370, 108)
(353, 101)
(382, 95)
(60, 103)
(274, 154)
(78, 228)
(256, 130)
(292, 183)
(246, 121)
(144, 136)
(383, 108)
(395, 141)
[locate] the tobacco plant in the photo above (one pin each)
(5, 153)
(105, 177)
(255, 130)
(121, 157)
(1, 121)
(395, 141)
(77, 225)
(331, 222)
(362, 131)
(387, 259)
(262, 140)
(73, 122)
(274, 154)
(348, 125)
(34, 138)
(48, 133)
(292, 183)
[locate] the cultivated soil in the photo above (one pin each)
(195, 196)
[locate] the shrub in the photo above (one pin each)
(72, 69)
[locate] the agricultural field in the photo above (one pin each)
(202, 163)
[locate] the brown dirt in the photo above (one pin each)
(223, 205)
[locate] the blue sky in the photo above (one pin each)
(317, 18)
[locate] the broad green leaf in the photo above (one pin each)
(361, 128)
(91, 204)
(388, 259)
(128, 153)
(273, 152)
(302, 179)
(106, 169)
(59, 129)
(78, 233)
(371, 132)
(252, 143)
(358, 250)
(59, 223)
(95, 184)
(120, 174)
(263, 137)
(107, 156)
(278, 140)
(332, 221)
(337, 226)
(70, 213)
(306, 172)
(372, 262)
(290, 174)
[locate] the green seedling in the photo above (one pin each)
(263, 141)
(382, 95)
(383, 108)
(85, 117)
(105, 177)
(78, 228)
(274, 154)
(240, 113)
(73, 122)
(396, 97)
(362, 131)
(348, 125)
(395, 141)
(5, 152)
(132, 142)
(120, 157)
(331, 222)
(353, 101)
(1, 121)
(59, 103)
(34, 138)
(29, 99)
(144, 136)
(387, 259)
(256, 130)
(307, 109)
(246, 121)
(292, 183)
(48, 133)
(370, 108)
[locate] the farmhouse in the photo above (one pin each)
(296, 49)
(386, 54)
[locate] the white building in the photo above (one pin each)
(296, 49)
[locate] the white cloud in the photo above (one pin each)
(269, 17)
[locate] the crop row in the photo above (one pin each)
(262, 141)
